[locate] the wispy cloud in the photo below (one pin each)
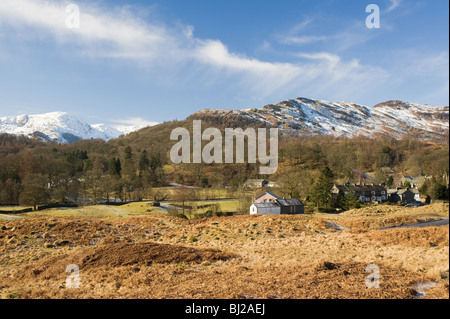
(122, 34)
(394, 5)
(302, 39)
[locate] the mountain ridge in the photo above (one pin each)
(316, 117)
(61, 127)
(299, 116)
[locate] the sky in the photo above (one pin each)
(136, 62)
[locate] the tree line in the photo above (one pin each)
(131, 167)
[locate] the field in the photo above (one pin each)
(132, 253)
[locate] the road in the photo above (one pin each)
(441, 222)
(9, 217)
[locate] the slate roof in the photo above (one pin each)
(290, 202)
(361, 188)
(265, 205)
(271, 194)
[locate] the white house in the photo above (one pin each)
(265, 209)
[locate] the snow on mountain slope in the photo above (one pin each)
(309, 117)
(59, 126)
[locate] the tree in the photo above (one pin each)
(440, 191)
(144, 162)
(128, 166)
(321, 193)
(35, 191)
(381, 177)
(289, 182)
(183, 195)
(115, 167)
(390, 181)
(349, 201)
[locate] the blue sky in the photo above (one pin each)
(136, 61)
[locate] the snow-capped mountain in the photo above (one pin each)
(309, 117)
(60, 126)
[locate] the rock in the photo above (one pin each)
(329, 266)
(61, 243)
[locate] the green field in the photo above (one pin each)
(132, 209)
(101, 211)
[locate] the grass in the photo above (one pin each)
(204, 193)
(438, 210)
(224, 206)
(284, 256)
(99, 211)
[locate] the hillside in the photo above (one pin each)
(300, 116)
(314, 117)
(243, 257)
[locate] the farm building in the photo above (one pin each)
(291, 206)
(269, 203)
(265, 209)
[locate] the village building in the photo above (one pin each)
(404, 195)
(365, 193)
(256, 183)
(414, 182)
(266, 197)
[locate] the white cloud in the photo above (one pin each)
(123, 34)
(137, 121)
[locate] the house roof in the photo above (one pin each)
(361, 188)
(369, 188)
(402, 191)
(342, 188)
(265, 205)
(290, 202)
(269, 193)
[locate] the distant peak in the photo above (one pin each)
(394, 104)
(60, 126)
